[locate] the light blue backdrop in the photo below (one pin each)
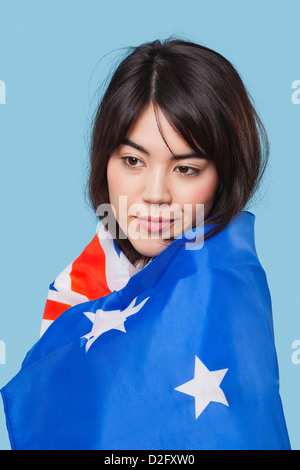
(50, 62)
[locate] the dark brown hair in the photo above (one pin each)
(204, 99)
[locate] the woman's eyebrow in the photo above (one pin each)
(136, 146)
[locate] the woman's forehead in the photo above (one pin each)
(152, 130)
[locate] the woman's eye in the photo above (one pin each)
(130, 161)
(186, 171)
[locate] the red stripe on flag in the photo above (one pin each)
(54, 309)
(88, 272)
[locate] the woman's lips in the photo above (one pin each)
(155, 225)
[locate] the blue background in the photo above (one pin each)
(53, 58)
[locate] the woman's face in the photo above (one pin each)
(153, 185)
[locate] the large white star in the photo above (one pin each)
(205, 387)
(109, 320)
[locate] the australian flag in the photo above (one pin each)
(178, 355)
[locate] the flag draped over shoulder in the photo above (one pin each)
(99, 270)
(178, 355)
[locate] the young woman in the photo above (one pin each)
(159, 335)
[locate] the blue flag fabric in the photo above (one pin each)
(182, 357)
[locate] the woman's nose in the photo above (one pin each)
(156, 189)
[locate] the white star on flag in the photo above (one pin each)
(109, 320)
(204, 387)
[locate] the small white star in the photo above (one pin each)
(109, 320)
(205, 387)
